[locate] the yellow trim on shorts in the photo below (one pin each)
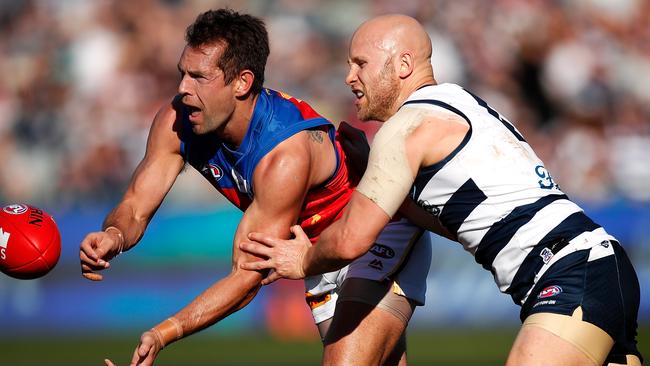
(378, 294)
(590, 339)
(630, 360)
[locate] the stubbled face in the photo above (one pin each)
(210, 102)
(373, 80)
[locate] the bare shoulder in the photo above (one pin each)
(167, 126)
(438, 134)
(291, 157)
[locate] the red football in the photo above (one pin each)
(30, 243)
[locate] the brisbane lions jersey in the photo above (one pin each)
(494, 195)
(276, 117)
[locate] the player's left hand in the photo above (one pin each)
(284, 256)
(145, 353)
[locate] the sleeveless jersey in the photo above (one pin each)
(494, 195)
(277, 116)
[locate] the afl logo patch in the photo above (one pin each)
(549, 292)
(15, 209)
(216, 172)
(382, 251)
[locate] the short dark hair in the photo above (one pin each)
(245, 39)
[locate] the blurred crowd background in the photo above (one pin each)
(80, 82)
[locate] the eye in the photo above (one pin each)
(195, 75)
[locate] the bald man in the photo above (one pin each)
(469, 175)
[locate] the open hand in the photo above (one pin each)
(285, 257)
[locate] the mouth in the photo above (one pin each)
(359, 96)
(193, 112)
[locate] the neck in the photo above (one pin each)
(234, 131)
(412, 84)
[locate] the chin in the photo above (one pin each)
(197, 130)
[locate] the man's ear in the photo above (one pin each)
(244, 83)
(405, 65)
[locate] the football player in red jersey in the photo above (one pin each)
(280, 162)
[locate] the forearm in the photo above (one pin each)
(331, 252)
(223, 298)
(131, 226)
(348, 238)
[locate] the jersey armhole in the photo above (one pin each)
(431, 170)
(281, 136)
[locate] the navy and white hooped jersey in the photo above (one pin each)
(494, 195)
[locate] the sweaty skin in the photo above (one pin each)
(389, 60)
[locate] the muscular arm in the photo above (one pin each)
(151, 181)
(415, 139)
(280, 183)
(411, 139)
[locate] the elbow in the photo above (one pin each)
(250, 282)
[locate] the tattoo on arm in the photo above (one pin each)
(316, 136)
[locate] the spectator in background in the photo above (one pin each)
(87, 76)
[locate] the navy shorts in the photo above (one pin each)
(607, 289)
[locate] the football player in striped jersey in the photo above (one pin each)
(468, 174)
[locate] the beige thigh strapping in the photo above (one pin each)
(590, 339)
(388, 297)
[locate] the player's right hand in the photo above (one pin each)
(95, 252)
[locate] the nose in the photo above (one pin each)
(352, 75)
(184, 85)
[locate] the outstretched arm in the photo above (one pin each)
(281, 181)
(150, 182)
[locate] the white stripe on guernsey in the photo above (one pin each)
(507, 262)
(478, 223)
(444, 184)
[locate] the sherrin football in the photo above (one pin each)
(30, 243)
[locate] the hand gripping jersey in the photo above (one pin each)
(495, 196)
(276, 117)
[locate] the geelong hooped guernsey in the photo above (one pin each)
(494, 195)
(277, 116)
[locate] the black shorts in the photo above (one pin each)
(607, 289)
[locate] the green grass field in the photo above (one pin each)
(445, 348)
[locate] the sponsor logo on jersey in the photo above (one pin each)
(605, 243)
(216, 171)
(550, 291)
(4, 241)
(432, 209)
(15, 209)
(546, 255)
(242, 184)
(382, 251)
(376, 264)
